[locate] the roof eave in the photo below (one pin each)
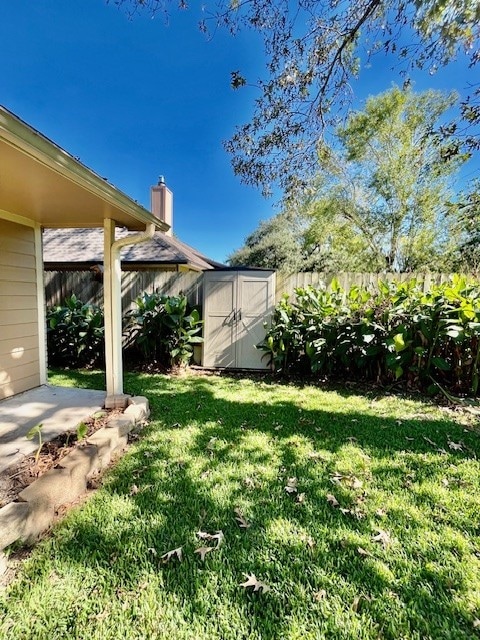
(35, 145)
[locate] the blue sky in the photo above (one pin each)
(136, 98)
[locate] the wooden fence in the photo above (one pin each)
(288, 283)
(61, 284)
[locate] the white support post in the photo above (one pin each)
(116, 292)
(108, 240)
(113, 310)
(42, 330)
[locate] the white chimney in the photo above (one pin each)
(162, 203)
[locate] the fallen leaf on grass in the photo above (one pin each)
(218, 536)
(356, 483)
(100, 616)
(203, 535)
(211, 444)
(240, 518)
(363, 552)
(336, 478)
(350, 480)
(455, 446)
(331, 499)
(355, 512)
(202, 551)
(291, 486)
(252, 581)
(174, 553)
(381, 513)
(476, 623)
(249, 483)
(134, 490)
(320, 595)
(310, 542)
(383, 537)
(301, 498)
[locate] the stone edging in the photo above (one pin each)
(36, 505)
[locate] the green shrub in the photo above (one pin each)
(75, 334)
(164, 329)
(144, 327)
(399, 333)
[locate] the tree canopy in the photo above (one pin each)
(466, 222)
(382, 198)
(314, 48)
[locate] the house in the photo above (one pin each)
(73, 261)
(82, 249)
(41, 187)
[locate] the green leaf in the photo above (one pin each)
(399, 342)
(34, 431)
(441, 363)
(82, 431)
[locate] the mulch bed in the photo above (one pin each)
(19, 476)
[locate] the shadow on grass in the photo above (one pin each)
(299, 548)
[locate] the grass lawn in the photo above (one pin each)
(363, 514)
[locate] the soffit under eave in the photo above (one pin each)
(46, 185)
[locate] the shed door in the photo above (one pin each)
(236, 305)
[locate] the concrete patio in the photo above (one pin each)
(58, 409)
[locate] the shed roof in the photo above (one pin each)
(76, 247)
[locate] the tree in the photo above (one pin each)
(390, 177)
(306, 240)
(466, 220)
(277, 243)
(382, 199)
(314, 48)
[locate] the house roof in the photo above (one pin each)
(77, 247)
(44, 183)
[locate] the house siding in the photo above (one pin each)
(19, 338)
